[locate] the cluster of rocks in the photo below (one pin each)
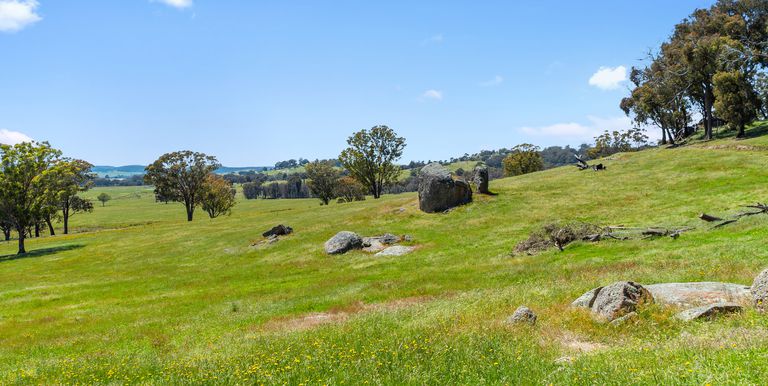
(383, 245)
(618, 302)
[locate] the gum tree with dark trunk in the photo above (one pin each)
(180, 177)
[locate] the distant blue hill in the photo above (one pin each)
(132, 170)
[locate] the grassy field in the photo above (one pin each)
(138, 295)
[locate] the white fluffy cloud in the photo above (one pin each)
(177, 3)
(17, 14)
(8, 137)
(433, 94)
(573, 132)
(607, 78)
(497, 80)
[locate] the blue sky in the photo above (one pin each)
(255, 82)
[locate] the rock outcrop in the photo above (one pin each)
(699, 293)
(438, 191)
(342, 242)
(615, 300)
(760, 291)
(480, 179)
(709, 311)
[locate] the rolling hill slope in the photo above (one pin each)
(142, 296)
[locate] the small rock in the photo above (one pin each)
(407, 238)
(708, 311)
(624, 319)
(396, 250)
(342, 242)
(279, 230)
(619, 299)
(523, 314)
(760, 291)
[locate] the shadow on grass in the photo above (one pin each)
(757, 131)
(41, 252)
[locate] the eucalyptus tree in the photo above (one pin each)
(180, 177)
(28, 174)
(371, 155)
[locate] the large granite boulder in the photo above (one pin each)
(438, 191)
(760, 291)
(699, 293)
(343, 241)
(615, 300)
(480, 178)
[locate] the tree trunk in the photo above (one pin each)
(741, 133)
(663, 136)
(7, 234)
(708, 111)
(37, 230)
(50, 226)
(671, 136)
(21, 242)
(190, 211)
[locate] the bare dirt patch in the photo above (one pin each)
(339, 315)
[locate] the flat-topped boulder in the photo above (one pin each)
(709, 311)
(396, 250)
(699, 293)
(438, 191)
(279, 230)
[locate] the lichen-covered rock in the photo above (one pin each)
(396, 250)
(342, 242)
(709, 311)
(524, 315)
(618, 299)
(480, 178)
(438, 191)
(699, 293)
(587, 299)
(760, 291)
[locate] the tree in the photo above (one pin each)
(701, 46)
(179, 176)
(618, 141)
(252, 190)
(371, 155)
(761, 88)
(103, 197)
(322, 180)
(75, 176)
(735, 100)
(349, 189)
(27, 173)
(218, 196)
(525, 158)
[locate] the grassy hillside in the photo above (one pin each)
(142, 296)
